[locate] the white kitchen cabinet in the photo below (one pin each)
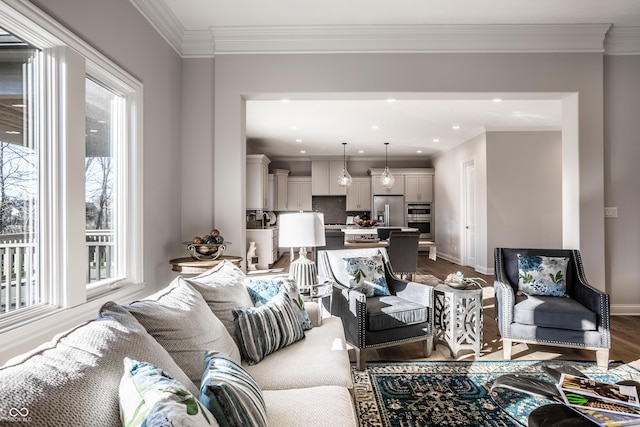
(359, 195)
(266, 246)
(257, 181)
(324, 175)
(280, 184)
(396, 189)
(299, 193)
(418, 188)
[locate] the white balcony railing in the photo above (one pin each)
(18, 267)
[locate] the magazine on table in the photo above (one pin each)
(603, 403)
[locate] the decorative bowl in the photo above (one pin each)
(206, 251)
(366, 223)
(457, 285)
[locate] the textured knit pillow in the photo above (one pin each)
(223, 288)
(150, 397)
(366, 274)
(265, 329)
(262, 290)
(81, 370)
(182, 322)
(231, 394)
(542, 275)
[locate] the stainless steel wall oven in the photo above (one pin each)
(418, 216)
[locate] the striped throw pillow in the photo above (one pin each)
(265, 329)
(230, 393)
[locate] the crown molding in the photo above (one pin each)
(382, 38)
(410, 38)
(163, 20)
(623, 41)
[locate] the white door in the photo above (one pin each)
(469, 213)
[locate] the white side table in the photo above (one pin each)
(458, 317)
(318, 293)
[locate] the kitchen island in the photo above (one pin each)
(367, 237)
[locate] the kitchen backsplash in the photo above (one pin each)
(333, 207)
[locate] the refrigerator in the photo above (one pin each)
(389, 211)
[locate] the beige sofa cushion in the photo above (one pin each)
(181, 321)
(319, 359)
(73, 380)
(223, 288)
(328, 406)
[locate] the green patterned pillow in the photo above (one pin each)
(150, 397)
(366, 274)
(265, 329)
(542, 275)
(262, 290)
(231, 394)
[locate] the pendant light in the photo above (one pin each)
(344, 180)
(386, 179)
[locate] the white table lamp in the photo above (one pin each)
(302, 230)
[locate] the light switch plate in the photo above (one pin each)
(611, 212)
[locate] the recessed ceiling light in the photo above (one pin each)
(455, 127)
(497, 99)
(360, 151)
(93, 130)
(298, 140)
(375, 127)
(419, 151)
(284, 100)
(436, 140)
(294, 127)
(303, 151)
(391, 100)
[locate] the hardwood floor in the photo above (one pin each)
(625, 342)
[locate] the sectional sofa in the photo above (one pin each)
(76, 379)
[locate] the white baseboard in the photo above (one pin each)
(482, 270)
(625, 310)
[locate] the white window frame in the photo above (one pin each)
(67, 61)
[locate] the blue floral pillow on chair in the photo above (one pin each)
(366, 274)
(542, 275)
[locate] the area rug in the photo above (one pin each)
(457, 393)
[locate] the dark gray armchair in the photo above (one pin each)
(378, 321)
(581, 320)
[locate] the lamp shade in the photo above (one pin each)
(301, 230)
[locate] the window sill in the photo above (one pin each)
(45, 323)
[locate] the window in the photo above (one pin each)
(70, 172)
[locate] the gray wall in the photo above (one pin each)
(117, 30)
(238, 76)
(622, 180)
(524, 190)
(448, 206)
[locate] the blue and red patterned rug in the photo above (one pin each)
(457, 393)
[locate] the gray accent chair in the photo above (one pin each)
(379, 321)
(581, 321)
(383, 232)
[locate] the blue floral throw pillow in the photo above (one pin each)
(366, 275)
(150, 397)
(263, 290)
(542, 275)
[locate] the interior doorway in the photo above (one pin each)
(468, 234)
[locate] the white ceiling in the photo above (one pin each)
(413, 127)
(204, 14)
(201, 28)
